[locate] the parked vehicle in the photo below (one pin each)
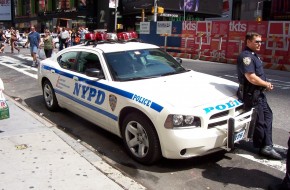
(143, 95)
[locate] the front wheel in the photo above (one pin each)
(49, 96)
(140, 139)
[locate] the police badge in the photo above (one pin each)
(112, 101)
(247, 61)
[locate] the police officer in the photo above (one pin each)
(253, 84)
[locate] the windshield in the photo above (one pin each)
(142, 64)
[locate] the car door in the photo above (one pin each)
(63, 80)
(88, 92)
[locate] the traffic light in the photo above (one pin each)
(119, 26)
(160, 10)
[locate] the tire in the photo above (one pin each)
(49, 96)
(140, 139)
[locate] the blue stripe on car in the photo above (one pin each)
(87, 105)
(120, 92)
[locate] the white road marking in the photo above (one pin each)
(15, 64)
(284, 85)
(278, 165)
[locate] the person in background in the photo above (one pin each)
(34, 40)
(253, 85)
(2, 46)
(58, 30)
(64, 37)
(82, 33)
(75, 39)
(7, 35)
(13, 40)
(48, 43)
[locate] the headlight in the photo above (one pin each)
(177, 120)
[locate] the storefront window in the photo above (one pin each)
(22, 8)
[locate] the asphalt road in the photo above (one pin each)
(239, 169)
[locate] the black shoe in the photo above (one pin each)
(275, 187)
(278, 187)
(270, 152)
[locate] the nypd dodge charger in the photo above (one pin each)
(146, 97)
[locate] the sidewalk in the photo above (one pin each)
(36, 155)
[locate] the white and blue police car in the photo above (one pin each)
(143, 95)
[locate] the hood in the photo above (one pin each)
(190, 89)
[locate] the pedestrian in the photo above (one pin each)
(34, 40)
(58, 30)
(13, 40)
(82, 33)
(2, 47)
(7, 35)
(253, 85)
(75, 39)
(48, 43)
(64, 37)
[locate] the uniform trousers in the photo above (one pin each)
(263, 128)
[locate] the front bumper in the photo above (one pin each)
(186, 143)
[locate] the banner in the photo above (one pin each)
(224, 40)
(5, 10)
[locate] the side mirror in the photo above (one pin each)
(93, 72)
(179, 60)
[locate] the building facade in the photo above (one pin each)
(100, 14)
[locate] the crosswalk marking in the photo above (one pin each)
(278, 165)
(15, 63)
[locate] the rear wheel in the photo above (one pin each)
(140, 139)
(49, 96)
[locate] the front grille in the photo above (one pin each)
(212, 125)
(221, 118)
(219, 115)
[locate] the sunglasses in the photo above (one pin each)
(258, 42)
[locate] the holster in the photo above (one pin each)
(251, 99)
(240, 92)
(249, 94)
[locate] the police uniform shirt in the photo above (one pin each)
(249, 62)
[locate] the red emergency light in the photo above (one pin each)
(90, 37)
(111, 37)
(101, 36)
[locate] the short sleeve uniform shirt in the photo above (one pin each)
(249, 62)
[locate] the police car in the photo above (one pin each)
(143, 95)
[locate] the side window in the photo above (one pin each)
(88, 60)
(68, 60)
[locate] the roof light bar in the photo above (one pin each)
(102, 36)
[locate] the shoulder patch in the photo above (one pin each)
(247, 61)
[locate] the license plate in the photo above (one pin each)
(239, 136)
